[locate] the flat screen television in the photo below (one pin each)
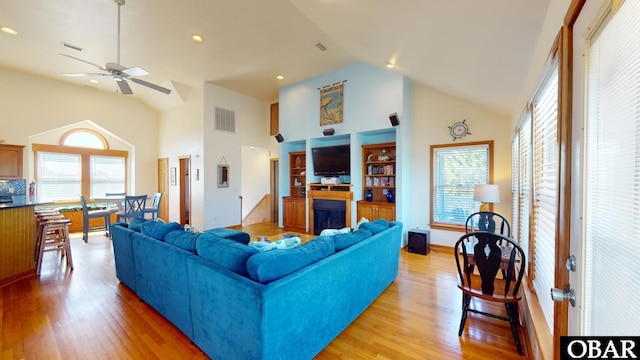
(331, 160)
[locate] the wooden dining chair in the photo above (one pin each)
(487, 221)
(134, 206)
(92, 214)
(116, 203)
(491, 253)
(154, 209)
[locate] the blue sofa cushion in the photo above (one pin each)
(239, 236)
(268, 266)
(375, 226)
(343, 241)
(227, 253)
(136, 224)
(185, 240)
(158, 230)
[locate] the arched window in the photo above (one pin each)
(84, 138)
(82, 164)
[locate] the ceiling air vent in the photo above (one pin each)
(225, 120)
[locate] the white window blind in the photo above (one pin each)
(107, 175)
(524, 190)
(612, 191)
(545, 190)
(515, 187)
(59, 176)
(457, 169)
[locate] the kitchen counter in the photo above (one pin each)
(21, 201)
(17, 239)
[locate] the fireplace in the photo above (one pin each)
(328, 214)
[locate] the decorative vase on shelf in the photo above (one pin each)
(390, 196)
(368, 195)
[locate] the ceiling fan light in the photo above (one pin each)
(390, 65)
(197, 38)
(8, 30)
(280, 77)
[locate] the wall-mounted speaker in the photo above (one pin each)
(419, 241)
(395, 120)
(328, 132)
(279, 138)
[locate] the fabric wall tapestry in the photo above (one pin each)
(331, 104)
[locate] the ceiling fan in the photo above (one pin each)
(119, 73)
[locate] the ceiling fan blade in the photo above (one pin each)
(84, 61)
(84, 74)
(124, 87)
(150, 85)
(135, 71)
(114, 66)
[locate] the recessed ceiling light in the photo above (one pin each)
(280, 77)
(94, 81)
(7, 30)
(390, 65)
(197, 38)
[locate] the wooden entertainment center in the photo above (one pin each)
(378, 178)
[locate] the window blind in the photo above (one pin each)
(612, 191)
(545, 190)
(59, 176)
(107, 175)
(457, 169)
(520, 174)
(524, 191)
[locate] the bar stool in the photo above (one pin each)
(53, 235)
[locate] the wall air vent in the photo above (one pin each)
(225, 120)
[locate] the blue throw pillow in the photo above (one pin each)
(343, 241)
(229, 254)
(375, 226)
(268, 266)
(183, 239)
(136, 223)
(239, 236)
(158, 230)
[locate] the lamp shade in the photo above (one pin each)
(487, 193)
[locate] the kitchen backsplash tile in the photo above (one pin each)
(19, 187)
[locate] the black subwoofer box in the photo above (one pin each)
(418, 241)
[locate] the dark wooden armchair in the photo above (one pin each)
(480, 256)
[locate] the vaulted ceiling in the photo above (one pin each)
(478, 51)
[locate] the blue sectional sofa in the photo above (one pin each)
(236, 302)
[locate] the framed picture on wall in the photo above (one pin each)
(172, 175)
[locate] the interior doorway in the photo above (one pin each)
(185, 190)
(275, 195)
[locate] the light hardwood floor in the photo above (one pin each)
(87, 314)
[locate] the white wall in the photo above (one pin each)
(180, 135)
(222, 205)
(33, 105)
(432, 113)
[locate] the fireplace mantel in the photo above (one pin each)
(330, 192)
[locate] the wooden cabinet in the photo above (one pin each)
(274, 127)
(11, 161)
(373, 211)
(378, 179)
(294, 215)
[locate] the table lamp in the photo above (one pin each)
(485, 194)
